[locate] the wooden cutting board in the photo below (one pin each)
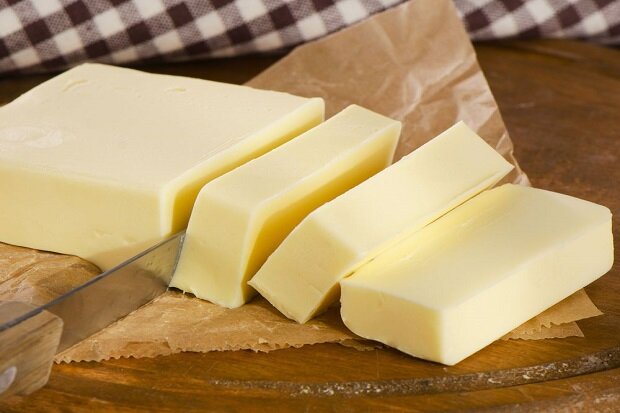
(561, 104)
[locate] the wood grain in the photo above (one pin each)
(561, 103)
(27, 349)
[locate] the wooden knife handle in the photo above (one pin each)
(27, 349)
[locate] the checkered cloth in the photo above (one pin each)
(39, 35)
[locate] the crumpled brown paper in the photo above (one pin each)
(414, 63)
(175, 322)
(557, 321)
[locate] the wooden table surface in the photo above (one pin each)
(561, 104)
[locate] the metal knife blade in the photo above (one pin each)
(113, 294)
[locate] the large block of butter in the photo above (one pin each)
(478, 272)
(102, 162)
(241, 217)
(301, 277)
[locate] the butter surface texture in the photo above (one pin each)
(241, 217)
(103, 162)
(301, 277)
(478, 272)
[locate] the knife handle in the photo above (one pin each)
(27, 349)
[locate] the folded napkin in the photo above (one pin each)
(47, 35)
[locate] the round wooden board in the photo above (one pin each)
(561, 103)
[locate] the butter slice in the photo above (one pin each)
(301, 277)
(102, 162)
(242, 216)
(478, 272)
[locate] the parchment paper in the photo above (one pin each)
(414, 63)
(175, 322)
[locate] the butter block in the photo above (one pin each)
(478, 272)
(102, 162)
(301, 277)
(241, 217)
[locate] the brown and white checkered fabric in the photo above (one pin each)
(38, 35)
(594, 20)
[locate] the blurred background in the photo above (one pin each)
(51, 35)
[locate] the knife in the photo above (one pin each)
(30, 336)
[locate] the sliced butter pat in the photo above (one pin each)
(301, 277)
(242, 216)
(102, 162)
(478, 272)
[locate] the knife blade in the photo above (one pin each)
(113, 294)
(28, 335)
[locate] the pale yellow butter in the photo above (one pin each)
(241, 217)
(102, 162)
(301, 277)
(478, 272)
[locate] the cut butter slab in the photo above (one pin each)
(478, 272)
(102, 162)
(301, 277)
(241, 217)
